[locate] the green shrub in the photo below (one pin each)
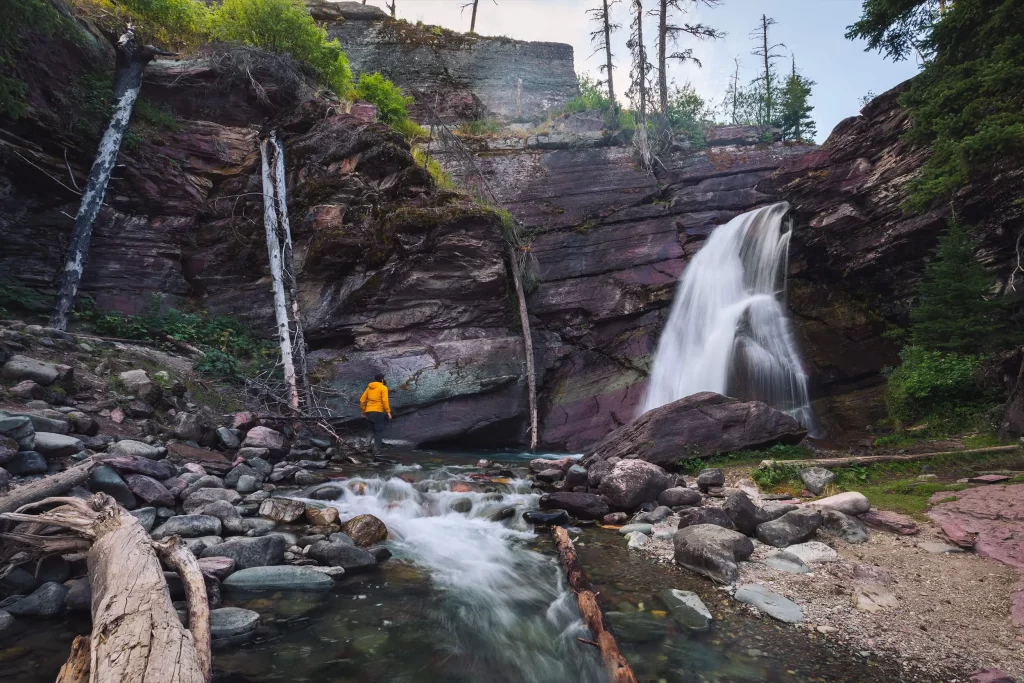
(442, 180)
(933, 383)
(591, 98)
(479, 127)
(392, 105)
(15, 297)
(688, 114)
(775, 475)
(180, 24)
(285, 27)
(218, 364)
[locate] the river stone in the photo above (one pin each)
(697, 426)
(79, 595)
(282, 509)
(893, 522)
(217, 567)
(52, 569)
(158, 469)
(461, 505)
(57, 445)
(937, 548)
(792, 527)
(773, 509)
(575, 476)
(149, 490)
(712, 550)
(550, 475)
(849, 503)
(871, 597)
(129, 448)
(325, 516)
(188, 427)
(199, 545)
(8, 447)
(257, 527)
(189, 526)
(20, 429)
(579, 505)
(247, 483)
(784, 561)
(207, 481)
(225, 512)
(632, 483)
(816, 479)
(83, 424)
(250, 552)
(6, 622)
(227, 439)
(27, 462)
(138, 384)
(596, 472)
(107, 480)
(353, 559)
(546, 517)
(687, 609)
(614, 518)
(709, 478)
(45, 601)
(705, 515)
(20, 368)
(769, 602)
(365, 530)
(284, 577)
(237, 472)
(637, 539)
(18, 582)
(643, 528)
(264, 437)
(146, 517)
(744, 514)
(850, 529)
(678, 496)
(5, 479)
(637, 627)
(203, 496)
(812, 552)
(232, 621)
(48, 425)
(261, 468)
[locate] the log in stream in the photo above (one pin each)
(619, 670)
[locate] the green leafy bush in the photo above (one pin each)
(392, 105)
(932, 383)
(775, 475)
(479, 127)
(216, 363)
(285, 27)
(688, 114)
(180, 24)
(591, 98)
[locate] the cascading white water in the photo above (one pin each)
(728, 331)
(502, 612)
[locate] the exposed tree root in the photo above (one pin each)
(136, 634)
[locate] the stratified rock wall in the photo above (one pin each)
(461, 76)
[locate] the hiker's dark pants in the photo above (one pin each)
(377, 420)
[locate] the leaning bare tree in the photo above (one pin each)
(601, 38)
(668, 32)
(765, 51)
(391, 7)
(136, 634)
(472, 21)
(132, 58)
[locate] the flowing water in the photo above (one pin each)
(474, 595)
(728, 331)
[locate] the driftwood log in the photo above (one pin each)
(872, 459)
(136, 635)
(47, 487)
(619, 670)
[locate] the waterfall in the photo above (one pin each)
(728, 331)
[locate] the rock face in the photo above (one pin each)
(462, 76)
(699, 426)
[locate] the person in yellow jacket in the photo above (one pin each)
(375, 405)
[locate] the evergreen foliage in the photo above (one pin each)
(968, 101)
(795, 109)
(688, 113)
(954, 313)
(284, 26)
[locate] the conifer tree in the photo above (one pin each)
(601, 38)
(795, 115)
(954, 312)
(767, 82)
(669, 32)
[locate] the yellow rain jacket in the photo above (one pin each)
(375, 399)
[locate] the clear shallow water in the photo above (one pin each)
(469, 599)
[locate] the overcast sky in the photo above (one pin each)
(811, 29)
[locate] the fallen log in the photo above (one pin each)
(619, 670)
(872, 459)
(76, 669)
(136, 634)
(47, 487)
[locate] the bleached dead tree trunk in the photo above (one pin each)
(136, 634)
(287, 254)
(524, 317)
(132, 59)
(270, 226)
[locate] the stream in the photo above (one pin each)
(469, 598)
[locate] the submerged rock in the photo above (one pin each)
(350, 557)
(687, 609)
(280, 578)
(770, 602)
(233, 625)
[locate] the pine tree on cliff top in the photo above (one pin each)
(954, 312)
(797, 124)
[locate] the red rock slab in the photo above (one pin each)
(211, 461)
(893, 522)
(992, 676)
(942, 496)
(989, 519)
(989, 479)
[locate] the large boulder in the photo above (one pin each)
(712, 551)
(250, 552)
(27, 462)
(45, 601)
(188, 526)
(138, 384)
(149, 490)
(793, 527)
(679, 496)
(19, 429)
(705, 515)
(336, 554)
(264, 437)
(632, 483)
(365, 530)
(699, 426)
(843, 526)
(579, 505)
(57, 445)
(20, 368)
(849, 503)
